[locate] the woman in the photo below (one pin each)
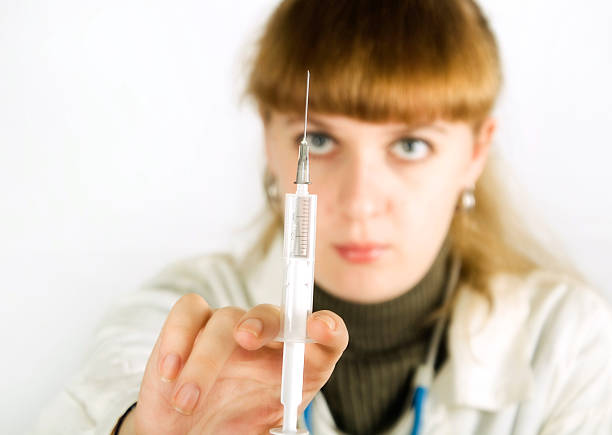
(400, 139)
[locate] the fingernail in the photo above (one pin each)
(253, 326)
(170, 367)
(186, 399)
(331, 323)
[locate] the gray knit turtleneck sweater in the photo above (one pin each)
(371, 383)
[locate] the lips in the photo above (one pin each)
(361, 252)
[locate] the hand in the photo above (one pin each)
(226, 378)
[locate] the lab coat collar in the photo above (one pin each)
(489, 360)
(488, 365)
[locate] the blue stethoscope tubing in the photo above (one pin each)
(424, 374)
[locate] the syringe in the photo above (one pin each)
(298, 254)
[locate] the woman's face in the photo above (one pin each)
(386, 194)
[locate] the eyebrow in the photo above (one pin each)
(430, 125)
(311, 119)
(403, 128)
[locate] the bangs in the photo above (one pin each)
(407, 61)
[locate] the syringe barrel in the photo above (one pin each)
(298, 253)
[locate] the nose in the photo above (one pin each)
(360, 192)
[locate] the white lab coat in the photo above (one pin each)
(540, 363)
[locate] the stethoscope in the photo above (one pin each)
(423, 376)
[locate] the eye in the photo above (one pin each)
(319, 143)
(411, 149)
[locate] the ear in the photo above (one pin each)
(483, 137)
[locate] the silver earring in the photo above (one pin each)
(273, 192)
(271, 188)
(468, 200)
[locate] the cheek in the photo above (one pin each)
(424, 205)
(424, 210)
(431, 212)
(282, 157)
(286, 171)
(437, 189)
(326, 179)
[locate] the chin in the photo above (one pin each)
(366, 282)
(365, 286)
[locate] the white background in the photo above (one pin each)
(123, 147)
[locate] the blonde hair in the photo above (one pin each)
(408, 61)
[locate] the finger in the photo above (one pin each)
(329, 332)
(188, 315)
(258, 327)
(210, 352)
